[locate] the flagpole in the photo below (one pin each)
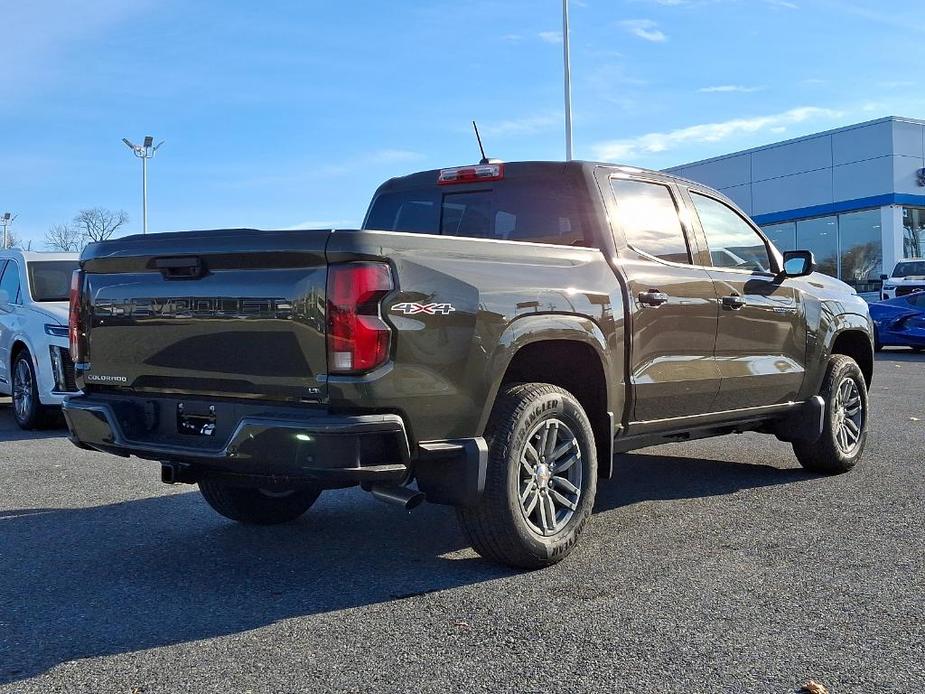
(568, 82)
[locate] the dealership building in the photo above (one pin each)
(855, 196)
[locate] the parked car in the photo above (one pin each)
(493, 333)
(908, 277)
(900, 322)
(35, 362)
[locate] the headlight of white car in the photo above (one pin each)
(55, 330)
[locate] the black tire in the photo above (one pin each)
(28, 410)
(829, 454)
(257, 506)
(499, 527)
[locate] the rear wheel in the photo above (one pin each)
(541, 478)
(844, 432)
(257, 506)
(28, 410)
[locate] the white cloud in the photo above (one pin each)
(783, 4)
(528, 125)
(645, 29)
(888, 16)
(729, 88)
(550, 36)
(513, 38)
(651, 143)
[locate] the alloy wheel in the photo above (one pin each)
(550, 477)
(22, 390)
(848, 416)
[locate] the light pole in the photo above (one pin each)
(568, 82)
(6, 220)
(144, 152)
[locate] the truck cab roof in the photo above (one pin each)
(522, 169)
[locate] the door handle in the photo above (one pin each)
(733, 302)
(653, 297)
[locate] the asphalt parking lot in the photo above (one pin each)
(714, 566)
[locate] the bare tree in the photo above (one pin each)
(13, 240)
(99, 223)
(65, 237)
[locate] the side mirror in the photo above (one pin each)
(884, 277)
(798, 263)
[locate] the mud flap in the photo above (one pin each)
(452, 472)
(804, 423)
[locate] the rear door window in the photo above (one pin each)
(649, 219)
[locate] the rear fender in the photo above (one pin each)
(532, 329)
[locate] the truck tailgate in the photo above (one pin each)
(236, 313)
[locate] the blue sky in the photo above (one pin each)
(286, 114)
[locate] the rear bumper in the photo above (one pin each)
(255, 443)
(249, 440)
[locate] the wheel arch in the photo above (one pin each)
(546, 349)
(838, 332)
(16, 347)
(856, 344)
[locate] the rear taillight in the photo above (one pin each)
(358, 338)
(74, 328)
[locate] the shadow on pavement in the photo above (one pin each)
(9, 431)
(643, 477)
(77, 583)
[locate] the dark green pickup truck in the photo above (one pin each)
(489, 339)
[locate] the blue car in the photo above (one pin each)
(900, 321)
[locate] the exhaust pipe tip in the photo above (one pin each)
(408, 499)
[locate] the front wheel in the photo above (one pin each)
(541, 478)
(844, 431)
(28, 410)
(257, 506)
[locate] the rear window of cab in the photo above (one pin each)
(550, 211)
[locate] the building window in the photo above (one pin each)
(820, 235)
(913, 232)
(783, 236)
(861, 248)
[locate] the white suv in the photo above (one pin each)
(908, 278)
(35, 362)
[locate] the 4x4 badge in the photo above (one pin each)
(411, 309)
